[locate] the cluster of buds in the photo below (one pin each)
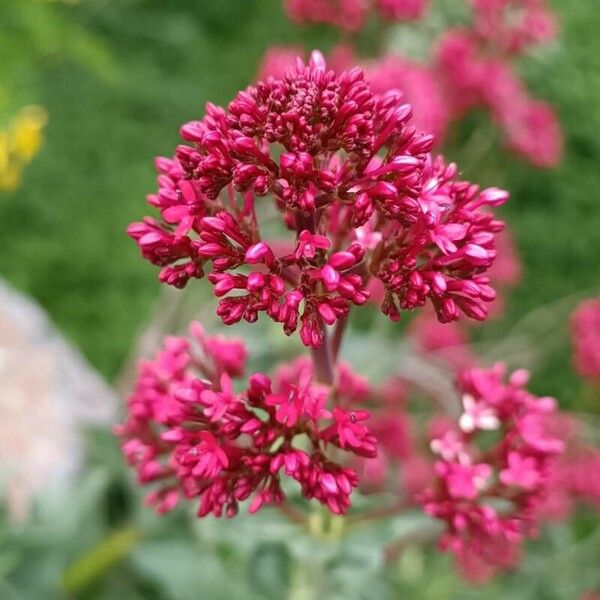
(351, 15)
(585, 330)
(417, 82)
(494, 470)
(192, 436)
(353, 180)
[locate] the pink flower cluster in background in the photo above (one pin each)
(471, 68)
(471, 76)
(419, 86)
(489, 493)
(513, 25)
(190, 434)
(508, 463)
(351, 15)
(585, 331)
(352, 179)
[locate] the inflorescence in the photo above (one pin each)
(353, 181)
(311, 193)
(190, 433)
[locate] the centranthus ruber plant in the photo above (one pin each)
(191, 433)
(353, 181)
(292, 202)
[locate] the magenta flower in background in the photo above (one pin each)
(473, 478)
(474, 70)
(585, 334)
(401, 10)
(514, 25)
(419, 86)
(350, 15)
(277, 60)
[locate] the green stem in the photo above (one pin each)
(322, 361)
(99, 559)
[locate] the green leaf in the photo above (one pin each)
(269, 571)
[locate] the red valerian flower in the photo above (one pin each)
(193, 436)
(474, 479)
(351, 177)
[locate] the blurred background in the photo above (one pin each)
(92, 90)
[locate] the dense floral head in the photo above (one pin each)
(189, 433)
(585, 329)
(353, 180)
(494, 469)
(351, 15)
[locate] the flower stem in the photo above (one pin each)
(322, 361)
(292, 513)
(98, 560)
(381, 512)
(338, 334)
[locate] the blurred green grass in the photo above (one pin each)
(119, 77)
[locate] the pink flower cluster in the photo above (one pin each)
(494, 470)
(351, 177)
(576, 479)
(351, 15)
(474, 69)
(471, 69)
(193, 436)
(420, 87)
(513, 25)
(585, 331)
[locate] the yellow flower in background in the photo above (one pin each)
(27, 132)
(19, 143)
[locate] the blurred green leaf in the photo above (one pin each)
(269, 571)
(98, 560)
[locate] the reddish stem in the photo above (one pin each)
(382, 512)
(322, 361)
(292, 513)
(338, 334)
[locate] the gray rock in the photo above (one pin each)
(47, 390)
